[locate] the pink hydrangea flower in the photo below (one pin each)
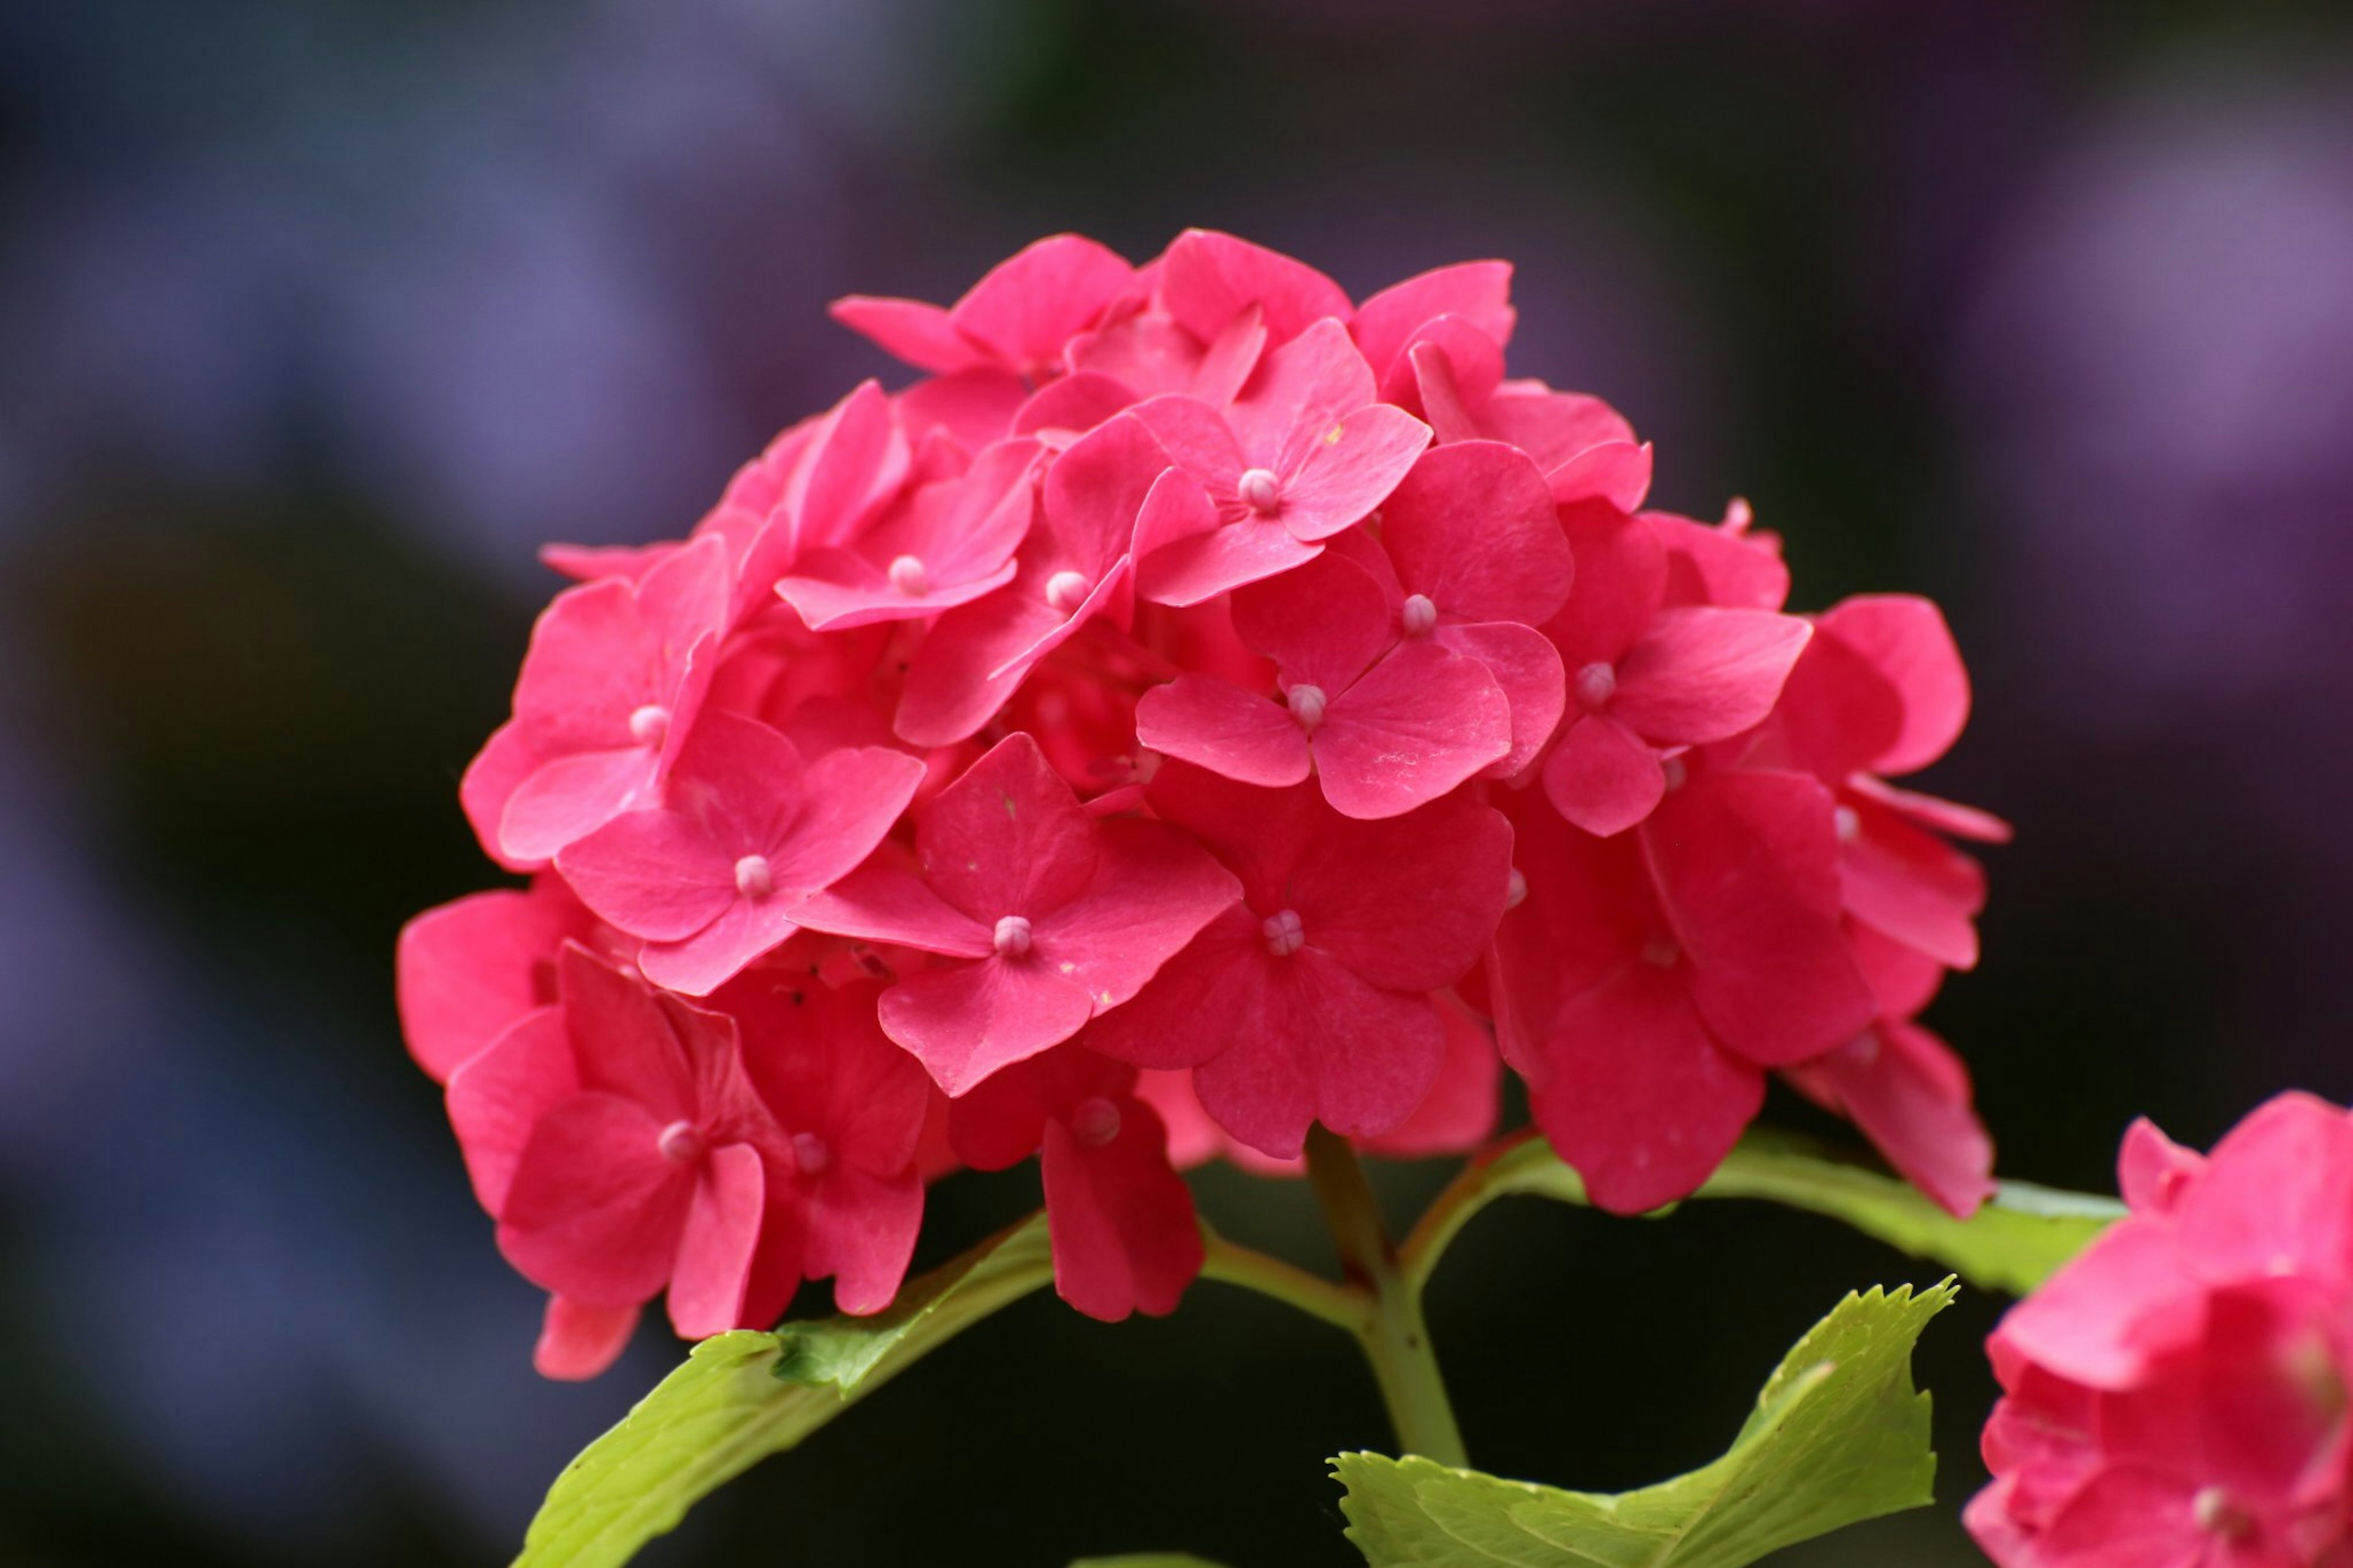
(2179, 1394)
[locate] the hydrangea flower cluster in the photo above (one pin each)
(2179, 1394)
(1197, 709)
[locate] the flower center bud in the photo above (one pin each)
(811, 1154)
(1306, 705)
(1597, 683)
(1260, 490)
(1011, 937)
(1850, 825)
(2218, 1514)
(649, 725)
(1677, 774)
(679, 1143)
(1517, 893)
(907, 575)
(1661, 951)
(753, 878)
(1284, 933)
(1095, 1123)
(1066, 591)
(1420, 613)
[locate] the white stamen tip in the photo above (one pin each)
(1306, 705)
(1517, 893)
(1066, 591)
(1260, 490)
(1677, 774)
(811, 1153)
(1011, 937)
(1095, 1122)
(2216, 1513)
(1662, 951)
(1284, 933)
(1595, 684)
(650, 725)
(753, 878)
(1850, 825)
(907, 575)
(1420, 613)
(679, 1143)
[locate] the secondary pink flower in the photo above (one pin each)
(648, 1175)
(2178, 1396)
(1052, 916)
(1647, 981)
(847, 1108)
(608, 691)
(1017, 317)
(1108, 491)
(1304, 453)
(1910, 1095)
(1306, 999)
(1121, 1220)
(711, 878)
(1643, 680)
(943, 544)
(1384, 727)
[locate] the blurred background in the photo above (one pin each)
(316, 318)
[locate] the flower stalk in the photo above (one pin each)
(1396, 1340)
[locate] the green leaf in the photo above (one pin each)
(743, 1396)
(2012, 1244)
(1838, 1435)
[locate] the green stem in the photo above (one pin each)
(1395, 1339)
(1348, 1308)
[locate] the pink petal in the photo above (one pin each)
(1911, 1097)
(1207, 278)
(1528, 669)
(594, 1211)
(1176, 509)
(952, 689)
(1198, 439)
(852, 465)
(1074, 405)
(505, 760)
(923, 335)
(1031, 304)
(1009, 837)
(566, 800)
(1638, 1098)
(1345, 467)
(1746, 869)
(576, 1341)
(1462, 1106)
(965, 1023)
(1903, 978)
(1551, 426)
(1121, 1220)
(1094, 490)
(1408, 903)
(497, 1096)
(1603, 777)
(2277, 1196)
(1904, 638)
(627, 1041)
(1473, 527)
(468, 969)
(1477, 291)
(1621, 579)
(835, 591)
(659, 875)
(1930, 811)
(1721, 566)
(861, 1233)
(879, 903)
(716, 1244)
(1324, 623)
(1912, 886)
(1154, 889)
(1196, 568)
(1311, 1042)
(1837, 715)
(851, 800)
(1225, 730)
(1299, 392)
(2070, 1325)
(1184, 1015)
(1705, 675)
(1473, 369)
(1421, 722)
(745, 931)
(976, 406)
(1260, 833)
(592, 562)
(1617, 473)
(2153, 1171)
